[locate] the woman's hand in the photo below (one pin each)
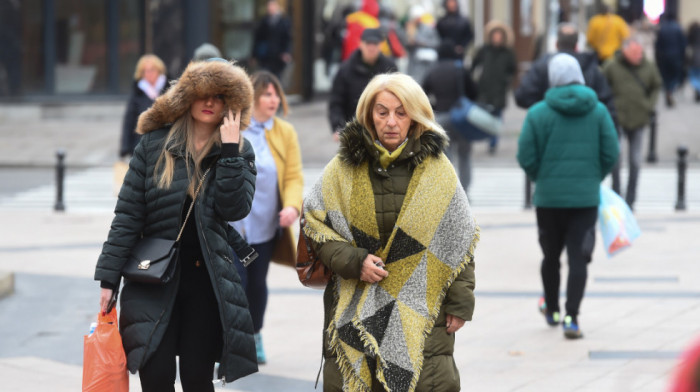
(105, 297)
(454, 323)
(288, 215)
(231, 127)
(372, 269)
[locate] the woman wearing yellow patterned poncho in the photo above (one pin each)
(392, 222)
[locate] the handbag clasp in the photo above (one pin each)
(145, 264)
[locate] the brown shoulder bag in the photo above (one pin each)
(311, 270)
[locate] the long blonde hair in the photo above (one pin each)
(180, 138)
(411, 96)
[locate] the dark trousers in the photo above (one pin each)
(634, 152)
(254, 281)
(573, 228)
(194, 333)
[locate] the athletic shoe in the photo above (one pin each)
(259, 350)
(571, 329)
(552, 318)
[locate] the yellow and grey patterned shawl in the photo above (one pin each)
(381, 328)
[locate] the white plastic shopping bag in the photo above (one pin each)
(618, 226)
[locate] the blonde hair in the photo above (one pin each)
(143, 60)
(178, 139)
(262, 79)
(412, 98)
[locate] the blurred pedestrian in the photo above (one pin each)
(669, 50)
(206, 51)
(423, 41)
(605, 33)
(635, 83)
(367, 17)
(278, 194)
(191, 149)
(353, 75)
(535, 83)
(272, 40)
(567, 146)
(455, 27)
(496, 66)
(442, 85)
(694, 63)
(389, 218)
(150, 81)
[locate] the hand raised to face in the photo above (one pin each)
(231, 127)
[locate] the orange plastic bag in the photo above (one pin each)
(104, 361)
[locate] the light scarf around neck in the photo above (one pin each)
(383, 326)
(152, 91)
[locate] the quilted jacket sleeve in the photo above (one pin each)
(130, 214)
(528, 156)
(459, 300)
(235, 184)
(341, 257)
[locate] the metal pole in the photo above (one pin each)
(651, 157)
(528, 193)
(682, 165)
(60, 174)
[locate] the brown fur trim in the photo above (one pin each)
(356, 144)
(201, 79)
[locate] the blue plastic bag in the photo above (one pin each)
(618, 226)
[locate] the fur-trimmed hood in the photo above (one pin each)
(357, 146)
(201, 79)
(497, 24)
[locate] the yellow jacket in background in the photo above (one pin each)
(284, 146)
(606, 33)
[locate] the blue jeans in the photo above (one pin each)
(694, 76)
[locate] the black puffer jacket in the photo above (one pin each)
(535, 82)
(349, 83)
(144, 209)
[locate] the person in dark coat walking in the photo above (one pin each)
(669, 50)
(272, 40)
(191, 136)
(568, 145)
(535, 83)
(150, 81)
(496, 64)
(441, 84)
(455, 27)
(353, 75)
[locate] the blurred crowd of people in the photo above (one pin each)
(581, 105)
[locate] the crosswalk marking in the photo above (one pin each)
(493, 189)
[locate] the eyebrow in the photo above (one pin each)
(386, 107)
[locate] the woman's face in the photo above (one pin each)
(208, 110)
(391, 121)
(150, 73)
(267, 104)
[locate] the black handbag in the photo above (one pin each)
(153, 260)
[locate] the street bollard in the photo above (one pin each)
(528, 193)
(682, 165)
(60, 174)
(651, 157)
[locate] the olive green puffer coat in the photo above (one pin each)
(144, 209)
(389, 187)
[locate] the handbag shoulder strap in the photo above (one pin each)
(638, 79)
(196, 192)
(460, 78)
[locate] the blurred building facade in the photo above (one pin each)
(58, 50)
